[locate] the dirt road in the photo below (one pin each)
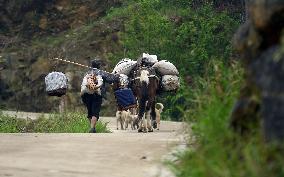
(118, 154)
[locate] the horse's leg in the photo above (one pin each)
(148, 114)
(149, 125)
(141, 116)
(153, 115)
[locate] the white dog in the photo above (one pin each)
(120, 119)
(128, 117)
(158, 114)
(124, 118)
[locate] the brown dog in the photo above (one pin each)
(158, 114)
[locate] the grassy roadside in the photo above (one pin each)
(74, 122)
(218, 151)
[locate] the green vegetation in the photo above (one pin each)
(215, 149)
(188, 37)
(57, 123)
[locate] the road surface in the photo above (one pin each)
(123, 153)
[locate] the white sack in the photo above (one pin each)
(165, 67)
(55, 80)
(124, 66)
(123, 81)
(170, 82)
(150, 58)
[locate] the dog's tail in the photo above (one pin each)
(161, 106)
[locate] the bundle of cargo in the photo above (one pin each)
(169, 73)
(170, 82)
(56, 84)
(165, 69)
(124, 66)
(149, 59)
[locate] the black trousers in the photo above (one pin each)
(93, 102)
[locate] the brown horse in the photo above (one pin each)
(145, 85)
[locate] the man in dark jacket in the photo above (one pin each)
(92, 98)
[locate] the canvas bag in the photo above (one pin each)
(170, 82)
(56, 84)
(124, 66)
(165, 67)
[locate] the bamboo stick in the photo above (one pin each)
(72, 62)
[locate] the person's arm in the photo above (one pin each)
(83, 85)
(108, 77)
(100, 81)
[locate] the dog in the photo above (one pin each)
(128, 117)
(158, 114)
(124, 118)
(135, 122)
(119, 119)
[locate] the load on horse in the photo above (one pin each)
(148, 76)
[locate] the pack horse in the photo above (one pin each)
(145, 86)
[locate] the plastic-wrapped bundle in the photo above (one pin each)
(56, 84)
(170, 82)
(123, 81)
(165, 67)
(124, 66)
(150, 58)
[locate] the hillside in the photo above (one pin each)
(189, 34)
(34, 32)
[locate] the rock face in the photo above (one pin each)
(260, 42)
(49, 16)
(32, 32)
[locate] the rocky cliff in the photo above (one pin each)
(33, 32)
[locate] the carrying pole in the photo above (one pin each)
(72, 62)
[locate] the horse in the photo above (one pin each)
(145, 85)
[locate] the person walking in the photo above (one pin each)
(93, 90)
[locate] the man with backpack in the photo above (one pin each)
(93, 90)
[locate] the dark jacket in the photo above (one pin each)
(107, 77)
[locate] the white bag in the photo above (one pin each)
(170, 82)
(124, 66)
(56, 84)
(150, 58)
(165, 67)
(123, 81)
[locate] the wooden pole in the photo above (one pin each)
(72, 62)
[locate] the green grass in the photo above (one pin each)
(218, 151)
(56, 123)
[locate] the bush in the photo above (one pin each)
(188, 37)
(217, 150)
